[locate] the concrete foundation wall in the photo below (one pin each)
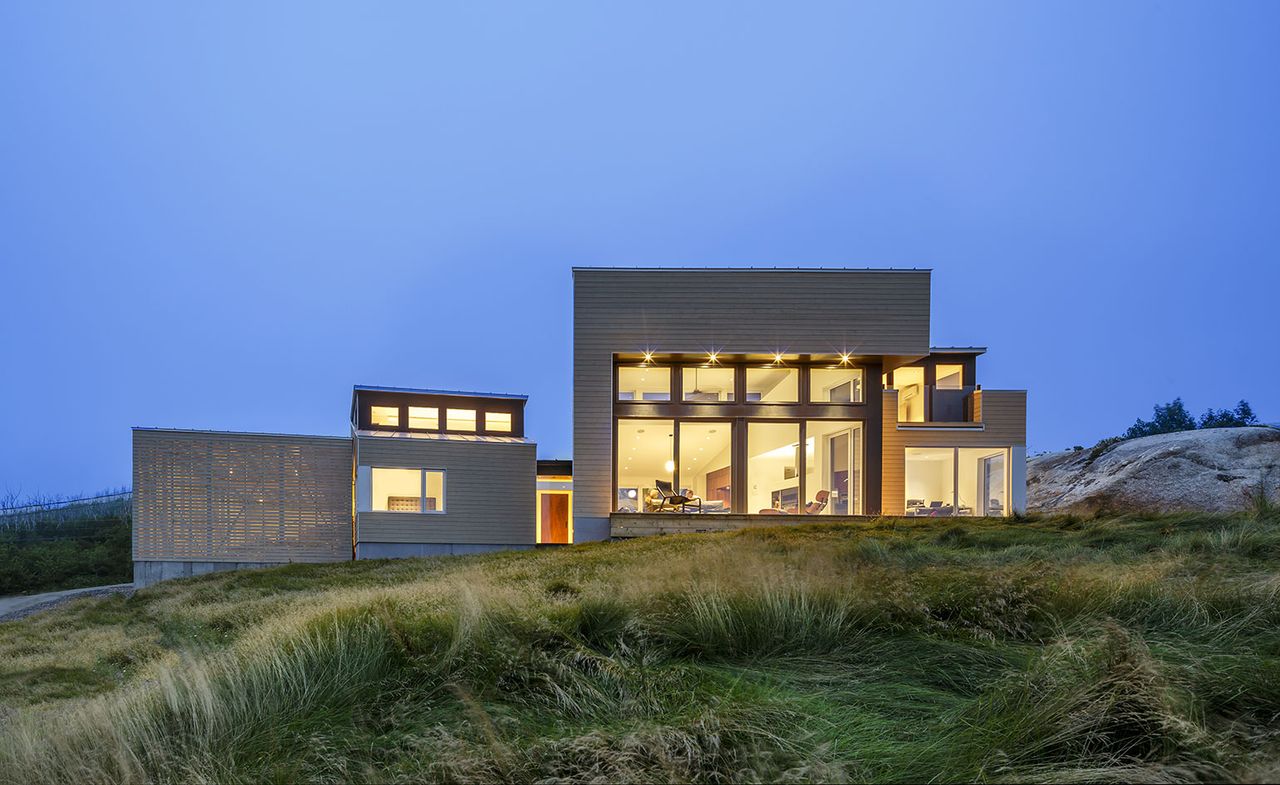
(406, 550)
(145, 573)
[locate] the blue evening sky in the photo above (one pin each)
(223, 215)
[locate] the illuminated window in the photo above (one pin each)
(942, 482)
(460, 420)
(981, 481)
(426, 418)
(406, 490)
(644, 460)
(708, 383)
(909, 382)
(833, 467)
(645, 383)
(773, 460)
(930, 481)
(385, 415)
(835, 385)
(773, 385)
(433, 490)
(950, 377)
(497, 421)
(706, 464)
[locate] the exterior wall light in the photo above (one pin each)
(648, 356)
(711, 357)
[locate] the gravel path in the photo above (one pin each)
(22, 606)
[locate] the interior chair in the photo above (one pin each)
(818, 504)
(673, 499)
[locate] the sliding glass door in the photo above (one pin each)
(833, 467)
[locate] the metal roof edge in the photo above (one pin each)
(425, 391)
(957, 350)
(832, 269)
(157, 429)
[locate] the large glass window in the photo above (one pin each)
(497, 421)
(708, 383)
(833, 467)
(909, 382)
(385, 415)
(460, 419)
(407, 490)
(773, 385)
(424, 417)
(773, 459)
(645, 464)
(644, 383)
(945, 481)
(835, 385)
(931, 481)
(981, 478)
(706, 464)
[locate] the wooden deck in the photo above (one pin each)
(624, 525)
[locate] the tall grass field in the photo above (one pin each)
(1048, 650)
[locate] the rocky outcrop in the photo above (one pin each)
(1213, 470)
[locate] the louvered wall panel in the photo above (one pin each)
(227, 497)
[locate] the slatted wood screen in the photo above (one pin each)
(200, 496)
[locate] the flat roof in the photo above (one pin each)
(764, 268)
(238, 433)
(424, 391)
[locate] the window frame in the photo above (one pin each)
(937, 376)
(475, 419)
(372, 415)
(487, 414)
(734, 389)
(422, 490)
(1006, 451)
(617, 381)
(856, 369)
(739, 412)
(746, 383)
(409, 418)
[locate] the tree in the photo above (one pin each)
(1171, 417)
(1229, 418)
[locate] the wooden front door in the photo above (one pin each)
(554, 517)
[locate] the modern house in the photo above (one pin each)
(703, 399)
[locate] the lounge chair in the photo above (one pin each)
(818, 504)
(814, 507)
(670, 497)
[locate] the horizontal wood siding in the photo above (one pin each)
(1004, 424)
(489, 492)
(873, 312)
(227, 497)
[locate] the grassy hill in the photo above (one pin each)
(1121, 649)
